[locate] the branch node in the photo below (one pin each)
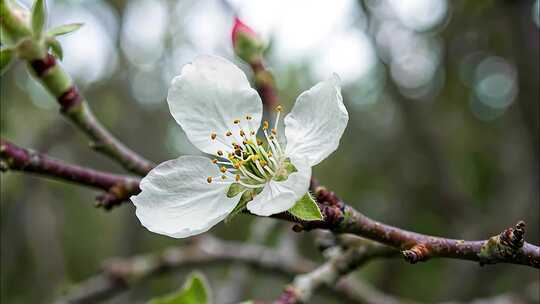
(417, 253)
(114, 196)
(503, 246)
(41, 66)
(69, 99)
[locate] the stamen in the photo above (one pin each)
(229, 133)
(269, 170)
(213, 135)
(237, 177)
(223, 169)
(266, 125)
(220, 153)
(248, 117)
(242, 133)
(253, 176)
(274, 131)
(279, 108)
(209, 179)
(236, 121)
(223, 177)
(261, 170)
(214, 161)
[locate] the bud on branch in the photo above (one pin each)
(246, 43)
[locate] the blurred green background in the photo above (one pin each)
(443, 138)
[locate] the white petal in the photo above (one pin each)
(176, 200)
(316, 123)
(278, 197)
(208, 96)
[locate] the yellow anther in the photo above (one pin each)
(236, 121)
(235, 145)
(238, 152)
(244, 142)
(266, 125)
(263, 163)
(214, 161)
(279, 108)
(223, 177)
(229, 133)
(213, 135)
(248, 117)
(252, 132)
(237, 177)
(274, 131)
(242, 133)
(238, 164)
(220, 153)
(259, 142)
(272, 137)
(223, 169)
(269, 154)
(209, 179)
(230, 156)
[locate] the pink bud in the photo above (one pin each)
(246, 43)
(240, 28)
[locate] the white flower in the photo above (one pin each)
(221, 115)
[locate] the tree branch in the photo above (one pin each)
(72, 104)
(117, 188)
(507, 247)
(340, 264)
(75, 108)
(119, 274)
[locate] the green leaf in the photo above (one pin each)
(39, 17)
(6, 56)
(64, 29)
(56, 47)
(195, 291)
(306, 209)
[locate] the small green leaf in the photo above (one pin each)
(195, 291)
(306, 209)
(56, 47)
(6, 56)
(64, 29)
(39, 17)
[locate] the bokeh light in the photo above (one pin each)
(90, 52)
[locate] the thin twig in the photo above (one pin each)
(119, 274)
(340, 264)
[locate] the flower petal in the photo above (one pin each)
(176, 200)
(207, 97)
(316, 123)
(277, 196)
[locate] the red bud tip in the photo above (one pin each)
(241, 28)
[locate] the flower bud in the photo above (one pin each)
(246, 43)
